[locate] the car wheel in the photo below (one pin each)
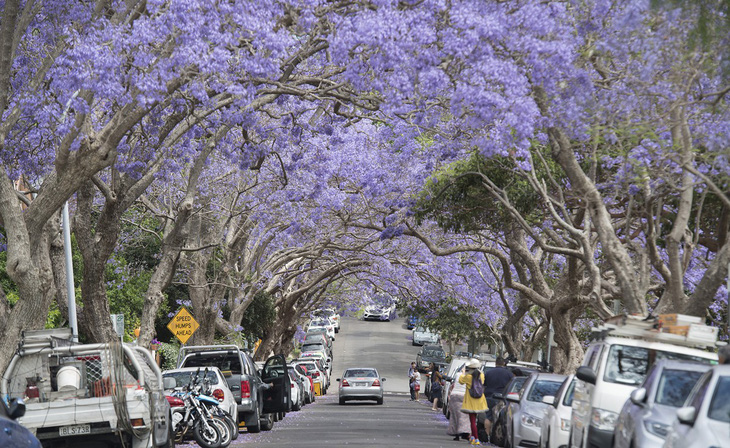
(267, 422)
(380, 400)
(253, 423)
(498, 433)
(342, 400)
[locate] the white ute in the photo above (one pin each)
(82, 394)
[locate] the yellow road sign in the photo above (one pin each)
(183, 325)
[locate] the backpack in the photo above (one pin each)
(477, 388)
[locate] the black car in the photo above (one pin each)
(431, 354)
(12, 434)
(499, 411)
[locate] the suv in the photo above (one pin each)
(257, 402)
(615, 365)
(431, 354)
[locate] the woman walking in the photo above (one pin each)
(416, 384)
(473, 405)
(436, 386)
(458, 422)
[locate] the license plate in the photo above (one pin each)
(361, 384)
(75, 430)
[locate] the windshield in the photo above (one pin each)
(720, 406)
(568, 399)
(674, 386)
(543, 388)
(516, 384)
(629, 365)
(434, 353)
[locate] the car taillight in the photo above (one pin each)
(315, 374)
(345, 383)
(175, 402)
(245, 389)
(376, 383)
(218, 394)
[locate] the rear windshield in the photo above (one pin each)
(720, 406)
(674, 386)
(224, 362)
(543, 388)
(363, 373)
(629, 365)
(184, 378)
(434, 353)
(306, 347)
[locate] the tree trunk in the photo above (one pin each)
(570, 351)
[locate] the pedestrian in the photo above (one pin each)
(458, 422)
(436, 386)
(471, 374)
(495, 380)
(416, 384)
(411, 379)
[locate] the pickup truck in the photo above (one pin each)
(258, 397)
(88, 394)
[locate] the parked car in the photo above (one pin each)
(377, 312)
(615, 365)
(297, 391)
(362, 383)
(499, 411)
(319, 338)
(411, 322)
(704, 419)
(316, 347)
(324, 361)
(651, 409)
(306, 380)
(422, 335)
(214, 377)
(323, 322)
(525, 411)
(257, 403)
(555, 427)
(12, 433)
(449, 374)
(431, 354)
(318, 375)
(330, 313)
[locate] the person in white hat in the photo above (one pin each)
(472, 376)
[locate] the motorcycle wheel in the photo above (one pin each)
(224, 429)
(232, 423)
(207, 435)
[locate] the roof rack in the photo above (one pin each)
(654, 329)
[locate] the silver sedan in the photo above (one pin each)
(361, 383)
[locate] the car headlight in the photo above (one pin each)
(564, 424)
(530, 420)
(657, 428)
(604, 420)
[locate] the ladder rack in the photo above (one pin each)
(650, 329)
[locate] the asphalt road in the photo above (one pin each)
(399, 422)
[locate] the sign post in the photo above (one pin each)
(183, 325)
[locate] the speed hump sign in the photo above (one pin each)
(183, 325)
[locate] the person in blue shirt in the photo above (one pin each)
(495, 380)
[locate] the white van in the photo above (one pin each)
(613, 366)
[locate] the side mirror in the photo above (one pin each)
(16, 408)
(549, 399)
(514, 397)
(338, 379)
(169, 383)
(687, 415)
(382, 379)
(585, 373)
(638, 396)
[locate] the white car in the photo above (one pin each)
(323, 322)
(704, 421)
(422, 336)
(555, 425)
(296, 392)
(330, 313)
(214, 377)
(310, 365)
(308, 383)
(377, 312)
